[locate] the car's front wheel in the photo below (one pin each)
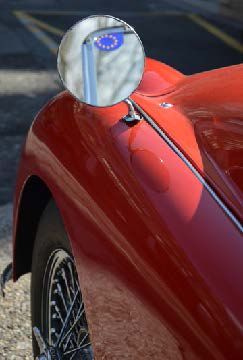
(58, 314)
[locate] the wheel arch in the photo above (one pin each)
(34, 198)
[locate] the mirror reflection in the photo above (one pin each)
(101, 60)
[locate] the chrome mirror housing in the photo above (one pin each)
(101, 60)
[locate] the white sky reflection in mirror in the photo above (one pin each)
(101, 60)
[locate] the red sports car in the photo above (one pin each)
(130, 219)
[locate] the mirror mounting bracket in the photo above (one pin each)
(132, 115)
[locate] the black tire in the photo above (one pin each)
(50, 236)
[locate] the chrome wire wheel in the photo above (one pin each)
(63, 322)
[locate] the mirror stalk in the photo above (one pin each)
(132, 115)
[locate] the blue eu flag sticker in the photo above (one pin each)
(109, 42)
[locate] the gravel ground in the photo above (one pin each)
(15, 329)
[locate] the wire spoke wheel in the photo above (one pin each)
(64, 325)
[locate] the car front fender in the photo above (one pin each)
(150, 243)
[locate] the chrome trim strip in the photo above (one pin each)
(151, 122)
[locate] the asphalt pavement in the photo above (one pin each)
(30, 31)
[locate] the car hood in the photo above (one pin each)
(206, 122)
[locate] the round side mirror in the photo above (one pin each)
(101, 60)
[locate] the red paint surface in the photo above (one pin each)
(160, 264)
(158, 79)
(206, 122)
